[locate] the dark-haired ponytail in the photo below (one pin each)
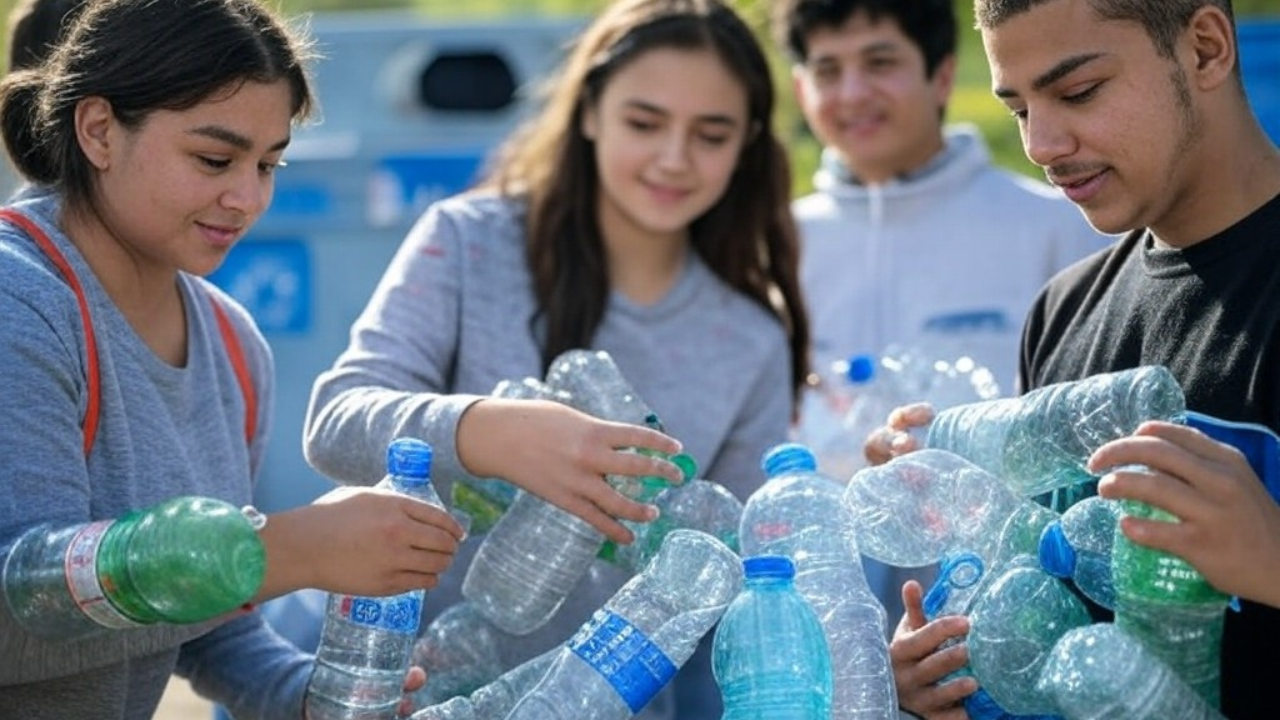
(20, 123)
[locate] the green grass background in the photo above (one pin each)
(971, 102)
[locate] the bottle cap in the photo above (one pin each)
(1057, 556)
(957, 571)
(768, 566)
(687, 465)
(862, 368)
(788, 457)
(409, 457)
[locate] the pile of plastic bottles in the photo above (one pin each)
(779, 580)
(1033, 645)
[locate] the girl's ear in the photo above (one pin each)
(95, 123)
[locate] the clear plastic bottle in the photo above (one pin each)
(537, 553)
(922, 506)
(1099, 672)
(596, 386)
(1013, 625)
(529, 563)
(696, 505)
(911, 374)
(824, 411)
(798, 514)
(1041, 441)
(495, 700)
(769, 654)
(366, 642)
(1168, 606)
(1077, 546)
(632, 647)
(461, 652)
(183, 560)
(485, 499)
(592, 383)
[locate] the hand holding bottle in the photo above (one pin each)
(1229, 527)
(562, 455)
(359, 541)
(919, 666)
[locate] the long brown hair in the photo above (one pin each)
(748, 238)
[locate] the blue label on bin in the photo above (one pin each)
(272, 279)
(635, 667)
(400, 613)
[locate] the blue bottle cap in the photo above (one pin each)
(787, 457)
(409, 457)
(768, 566)
(1057, 556)
(862, 368)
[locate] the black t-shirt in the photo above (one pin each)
(1211, 315)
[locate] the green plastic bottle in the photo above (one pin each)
(1169, 606)
(184, 560)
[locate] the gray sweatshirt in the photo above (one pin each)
(450, 319)
(163, 432)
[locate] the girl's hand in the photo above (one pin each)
(359, 541)
(563, 456)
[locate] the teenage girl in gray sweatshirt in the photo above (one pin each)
(644, 213)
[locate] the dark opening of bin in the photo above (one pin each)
(467, 82)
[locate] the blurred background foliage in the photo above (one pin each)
(971, 102)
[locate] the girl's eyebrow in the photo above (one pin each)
(714, 118)
(217, 132)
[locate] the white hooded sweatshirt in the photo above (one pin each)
(958, 249)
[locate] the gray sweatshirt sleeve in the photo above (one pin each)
(248, 668)
(394, 376)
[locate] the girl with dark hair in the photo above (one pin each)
(152, 134)
(644, 212)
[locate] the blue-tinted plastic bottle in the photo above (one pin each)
(798, 513)
(1077, 546)
(769, 654)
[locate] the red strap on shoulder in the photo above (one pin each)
(241, 368)
(90, 421)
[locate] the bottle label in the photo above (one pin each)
(80, 569)
(635, 667)
(399, 613)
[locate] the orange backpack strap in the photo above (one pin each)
(90, 421)
(234, 351)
